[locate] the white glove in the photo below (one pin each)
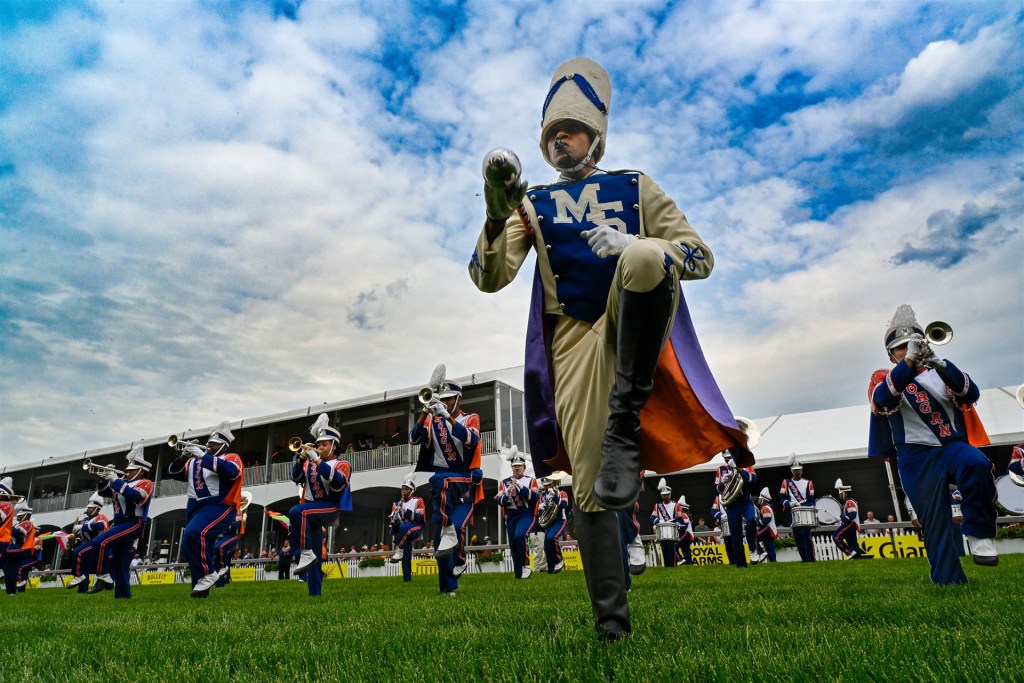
(314, 456)
(197, 451)
(76, 528)
(605, 240)
(917, 350)
(935, 363)
(109, 475)
(439, 410)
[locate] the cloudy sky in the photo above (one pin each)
(221, 210)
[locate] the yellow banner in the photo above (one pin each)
(335, 570)
(713, 554)
(572, 560)
(243, 573)
(883, 547)
(156, 578)
(424, 567)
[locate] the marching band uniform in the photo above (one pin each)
(719, 515)
(412, 513)
(611, 250)
(6, 519)
(767, 532)
(552, 550)
(83, 562)
(519, 498)
(633, 553)
(326, 492)
(797, 491)
(845, 537)
(227, 544)
(449, 441)
(214, 480)
(922, 412)
(740, 512)
(683, 553)
(664, 512)
(1016, 468)
(131, 497)
(21, 553)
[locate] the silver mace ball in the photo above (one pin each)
(501, 167)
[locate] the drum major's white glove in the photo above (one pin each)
(197, 451)
(917, 351)
(314, 457)
(605, 240)
(439, 410)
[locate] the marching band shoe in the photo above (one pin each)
(637, 557)
(558, 567)
(204, 584)
(449, 541)
(460, 569)
(848, 557)
(983, 551)
(305, 559)
(76, 581)
(527, 573)
(102, 583)
(397, 557)
(643, 322)
(22, 585)
(201, 594)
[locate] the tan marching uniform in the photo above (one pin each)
(583, 355)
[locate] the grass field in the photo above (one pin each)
(830, 621)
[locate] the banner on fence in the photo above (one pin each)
(883, 547)
(713, 554)
(243, 573)
(424, 567)
(572, 560)
(156, 578)
(335, 570)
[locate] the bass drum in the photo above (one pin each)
(1011, 496)
(828, 509)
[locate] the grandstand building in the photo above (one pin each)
(830, 443)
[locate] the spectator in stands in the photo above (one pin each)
(701, 526)
(891, 519)
(869, 520)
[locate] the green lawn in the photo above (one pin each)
(830, 621)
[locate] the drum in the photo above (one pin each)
(958, 516)
(828, 510)
(724, 526)
(1010, 496)
(666, 532)
(805, 516)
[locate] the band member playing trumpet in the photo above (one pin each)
(519, 498)
(845, 536)
(555, 529)
(87, 529)
(21, 554)
(131, 493)
(799, 492)
(408, 516)
(214, 477)
(922, 410)
(767, 532)
(7, 501)
(228, 543)
(739, 511)
(665, 513)
(449, 441)
(326, 491)
(611, 250)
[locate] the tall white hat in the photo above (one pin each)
(841, 487)
(322, 431)
(581, 91)
(96, 500)
(7, 486)
(222, 434)
(902, 328)
(135, 459)
(765, 494)
(513, 455)
(664, 488)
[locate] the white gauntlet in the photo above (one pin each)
(605, 240)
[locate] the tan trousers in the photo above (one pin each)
(583, 358)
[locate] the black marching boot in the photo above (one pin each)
(643, 322)
(597, 534)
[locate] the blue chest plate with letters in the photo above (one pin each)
(582, 280)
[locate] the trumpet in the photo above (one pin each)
(180, 444)
(426, 395)
(295, 445)
(89, 466)
(938, 333)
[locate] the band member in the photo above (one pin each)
(7, 501)
(683, 553)
(519, 498)
(408, 517)
(1016, 468)
(740, 511)
(21, 553)
(611, 250)
(131, 496)
(845, 537)
(722, 523)
(767, 532)
(214, 477)
(922, 410)
(799, 492)
(449, 441)
(555, 530)
(86, 530)
(326, 492)
(664, 512)
(227, 544)
(634, 554)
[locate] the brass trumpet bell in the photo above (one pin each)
(748, 427)
(295, 445)
(425, 395)
(938, 333)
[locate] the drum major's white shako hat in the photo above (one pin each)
(682, 502)
(7, 486)
(581, 91)
(765, 494)
(664, 488)
(842, 487)
(322, 431)
(449, 388)
(902, 328)
(222, 434)
(96, 500)
(22, 508)
(795, 464)
(409, 481)
(135, 459)
(513, 455)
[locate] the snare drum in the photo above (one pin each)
(828, 510)
(724, 527)
(1010, 496)
(666, 532)
(804, 516)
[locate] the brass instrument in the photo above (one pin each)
(396, 515)
(11, 498)
(180, 444)
(303, 450)
(426, 395)
(748, 427)
(733, 481)
(548, 511)
(938, 333)
(93, 468)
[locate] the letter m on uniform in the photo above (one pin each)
(587, 209)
